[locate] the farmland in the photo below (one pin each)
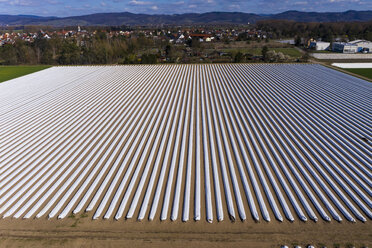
(292, 52)
(10, 72)
(186, 148)
(362, 69)
(365, 72)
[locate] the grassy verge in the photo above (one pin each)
(10, 72)
(365, 72)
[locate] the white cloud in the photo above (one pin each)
(300, 3)
(234, 6)
(21, 3)
(135, 2)
(53, 1)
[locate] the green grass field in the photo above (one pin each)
(10, 72)
(293, 52)
(365, 72)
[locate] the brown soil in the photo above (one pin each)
(81, 231)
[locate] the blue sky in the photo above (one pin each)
(81, 7)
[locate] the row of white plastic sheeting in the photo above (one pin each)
(353, 65)
(179, 142)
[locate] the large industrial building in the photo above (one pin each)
(357, 46)
(344, 47)
(363, 45)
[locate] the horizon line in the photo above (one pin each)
(198, 13)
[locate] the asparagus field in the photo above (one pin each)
(254, 142)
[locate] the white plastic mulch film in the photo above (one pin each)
(181, 142)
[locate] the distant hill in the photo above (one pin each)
(348, 16)
(126, 18)
(23, 19)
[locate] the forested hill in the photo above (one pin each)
(23, 19)
(126, 18)
(348, 16)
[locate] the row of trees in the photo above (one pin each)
(92, 50)
(120, 51)
(326, 31)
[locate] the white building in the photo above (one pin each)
(363, 45)
(320, 45)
